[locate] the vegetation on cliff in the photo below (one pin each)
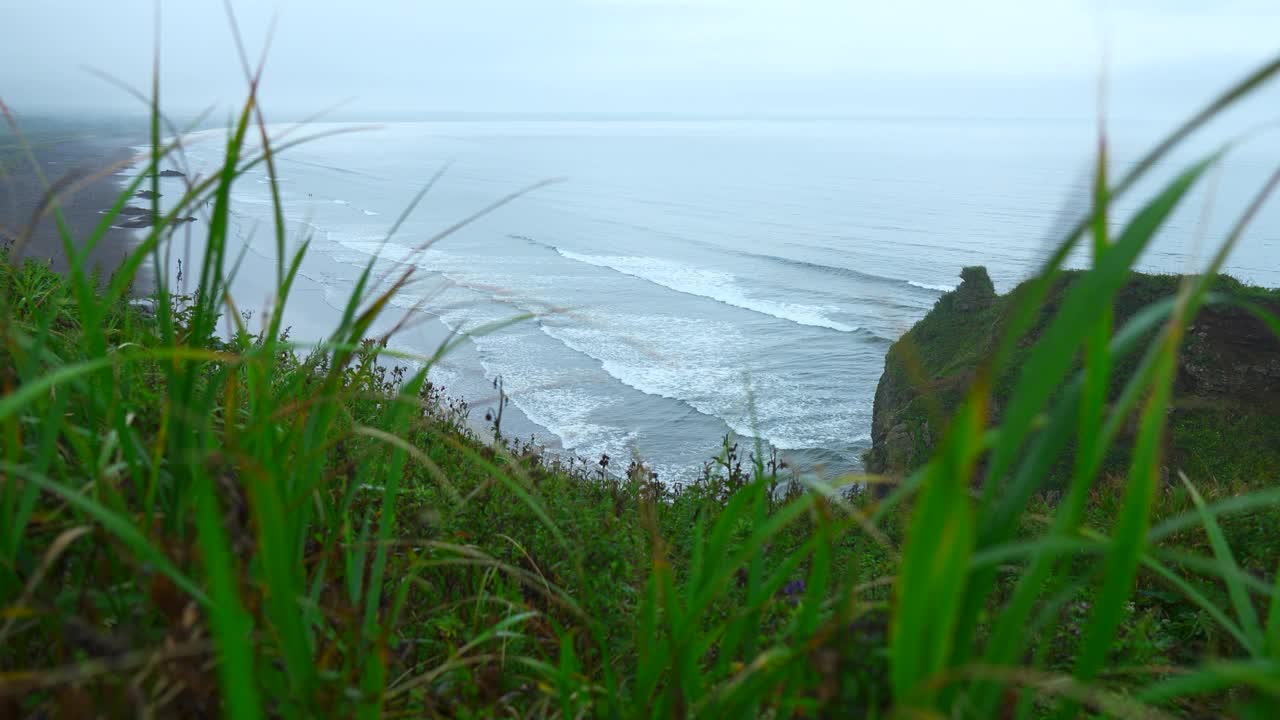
(1224, 415)
(195, 526)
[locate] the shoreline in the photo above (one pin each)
(87, 163)
(96, 163)
(314, 307)
(310, 315)
(316, 299)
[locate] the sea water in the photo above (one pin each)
(687, 280)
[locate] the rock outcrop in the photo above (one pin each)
(1227, 391)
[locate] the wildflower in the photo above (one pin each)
(793, 590)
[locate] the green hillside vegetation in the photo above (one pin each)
(1225, 413)
(195, 526)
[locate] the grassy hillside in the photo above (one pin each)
(1224, 420)
(474, 580)
(194, 526)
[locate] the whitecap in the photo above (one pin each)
(720, 286)
(927, 286)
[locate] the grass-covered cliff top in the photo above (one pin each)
(953, 339)
(1225, 412)
(196, 526)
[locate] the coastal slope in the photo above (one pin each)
(1225, 422)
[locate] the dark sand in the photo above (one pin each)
(81, 159)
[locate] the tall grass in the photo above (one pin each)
(202, 525)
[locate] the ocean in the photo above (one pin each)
(684, 281)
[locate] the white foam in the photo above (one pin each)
(697, 361)
(371, 213)
(553, 396)
(550, 396)
(719, 286)
(927, 286)
(694, 360)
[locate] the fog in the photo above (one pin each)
(384, 59)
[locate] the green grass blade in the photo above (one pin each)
(1214, 676)
(231, 625)
(935, 563)
(116, 525)
(1082, 309)
(1245, 612)
(1122, 561)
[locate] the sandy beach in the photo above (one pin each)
(83, 161)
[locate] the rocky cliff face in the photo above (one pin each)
(926, 374)
(1227, 390)
(1230, 356)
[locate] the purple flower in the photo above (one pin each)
(793, 590)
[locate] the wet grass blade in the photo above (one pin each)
(1246, 615)
(935, 562)
(1128, 540)
(1083, 310)
(231, 625)
(111, 521)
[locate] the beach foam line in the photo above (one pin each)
(629, 362)
(669, 381)
(836, 270)
(927, 286)
(843, 271)
(546, 397)
(620, 360)
(719, 286)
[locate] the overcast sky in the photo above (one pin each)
(404, 58)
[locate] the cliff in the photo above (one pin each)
(1225, 422)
